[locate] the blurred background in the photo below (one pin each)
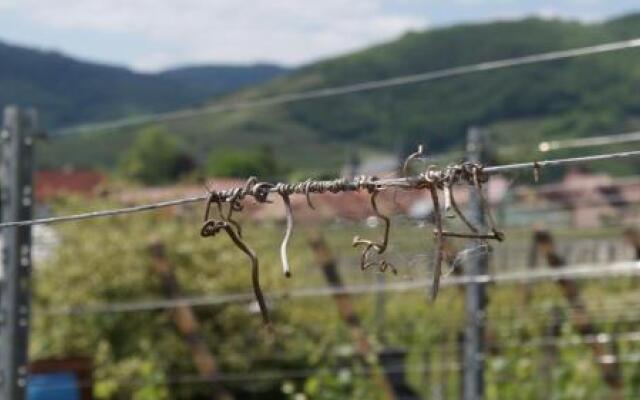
(145, 101)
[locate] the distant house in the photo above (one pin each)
(582, 200)
(50, 184)
(154, 194)
(380, 165)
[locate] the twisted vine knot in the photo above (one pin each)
(433, 178)
(434, 175)
(460, 173)
(212, 228)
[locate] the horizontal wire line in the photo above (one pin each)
(359, 87)
(259, 375)
(582, 271)
(267, 375)
(106, 213)
(559, 162)
(282, 374)
(591, 141)
(353, 186)
(536, 341)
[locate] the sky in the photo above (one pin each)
(151, 35)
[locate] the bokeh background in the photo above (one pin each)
(138, 103)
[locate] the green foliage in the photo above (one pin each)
(155, 157)
(141, 355)
(241, 164)
(216, 80)
(439, 112)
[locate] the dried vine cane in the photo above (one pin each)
(456, 208)
(378, 247)
(285, 242)
(437, 269)
(536, 171)
(495, 233)
(411, 157)
(212, 227)
(307, 194)
(432, 184)
(446, 190)
(452, 204)
(234, 205)
(468, 172)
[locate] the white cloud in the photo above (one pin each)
(289, 31)
(548, 13)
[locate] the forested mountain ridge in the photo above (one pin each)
(583, 96)
(68, 91)
(219, 79)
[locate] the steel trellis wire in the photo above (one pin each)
(589, 271)
(405, 183)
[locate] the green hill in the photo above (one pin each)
(67, 91)
(206, 80)
(584, 96)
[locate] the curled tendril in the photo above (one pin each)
(212, 228)
(261, 191)
(372, 248)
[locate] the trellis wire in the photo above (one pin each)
(260, 375)
(281, 375)
(405, 183)
(604, 140)
(584, 271)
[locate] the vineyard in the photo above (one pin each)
(451, 275)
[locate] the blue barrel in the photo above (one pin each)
(53, 386)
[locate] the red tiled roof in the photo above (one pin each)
(172, 192)
(53, 183)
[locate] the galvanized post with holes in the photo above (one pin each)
(16, 195)
(475, 299)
